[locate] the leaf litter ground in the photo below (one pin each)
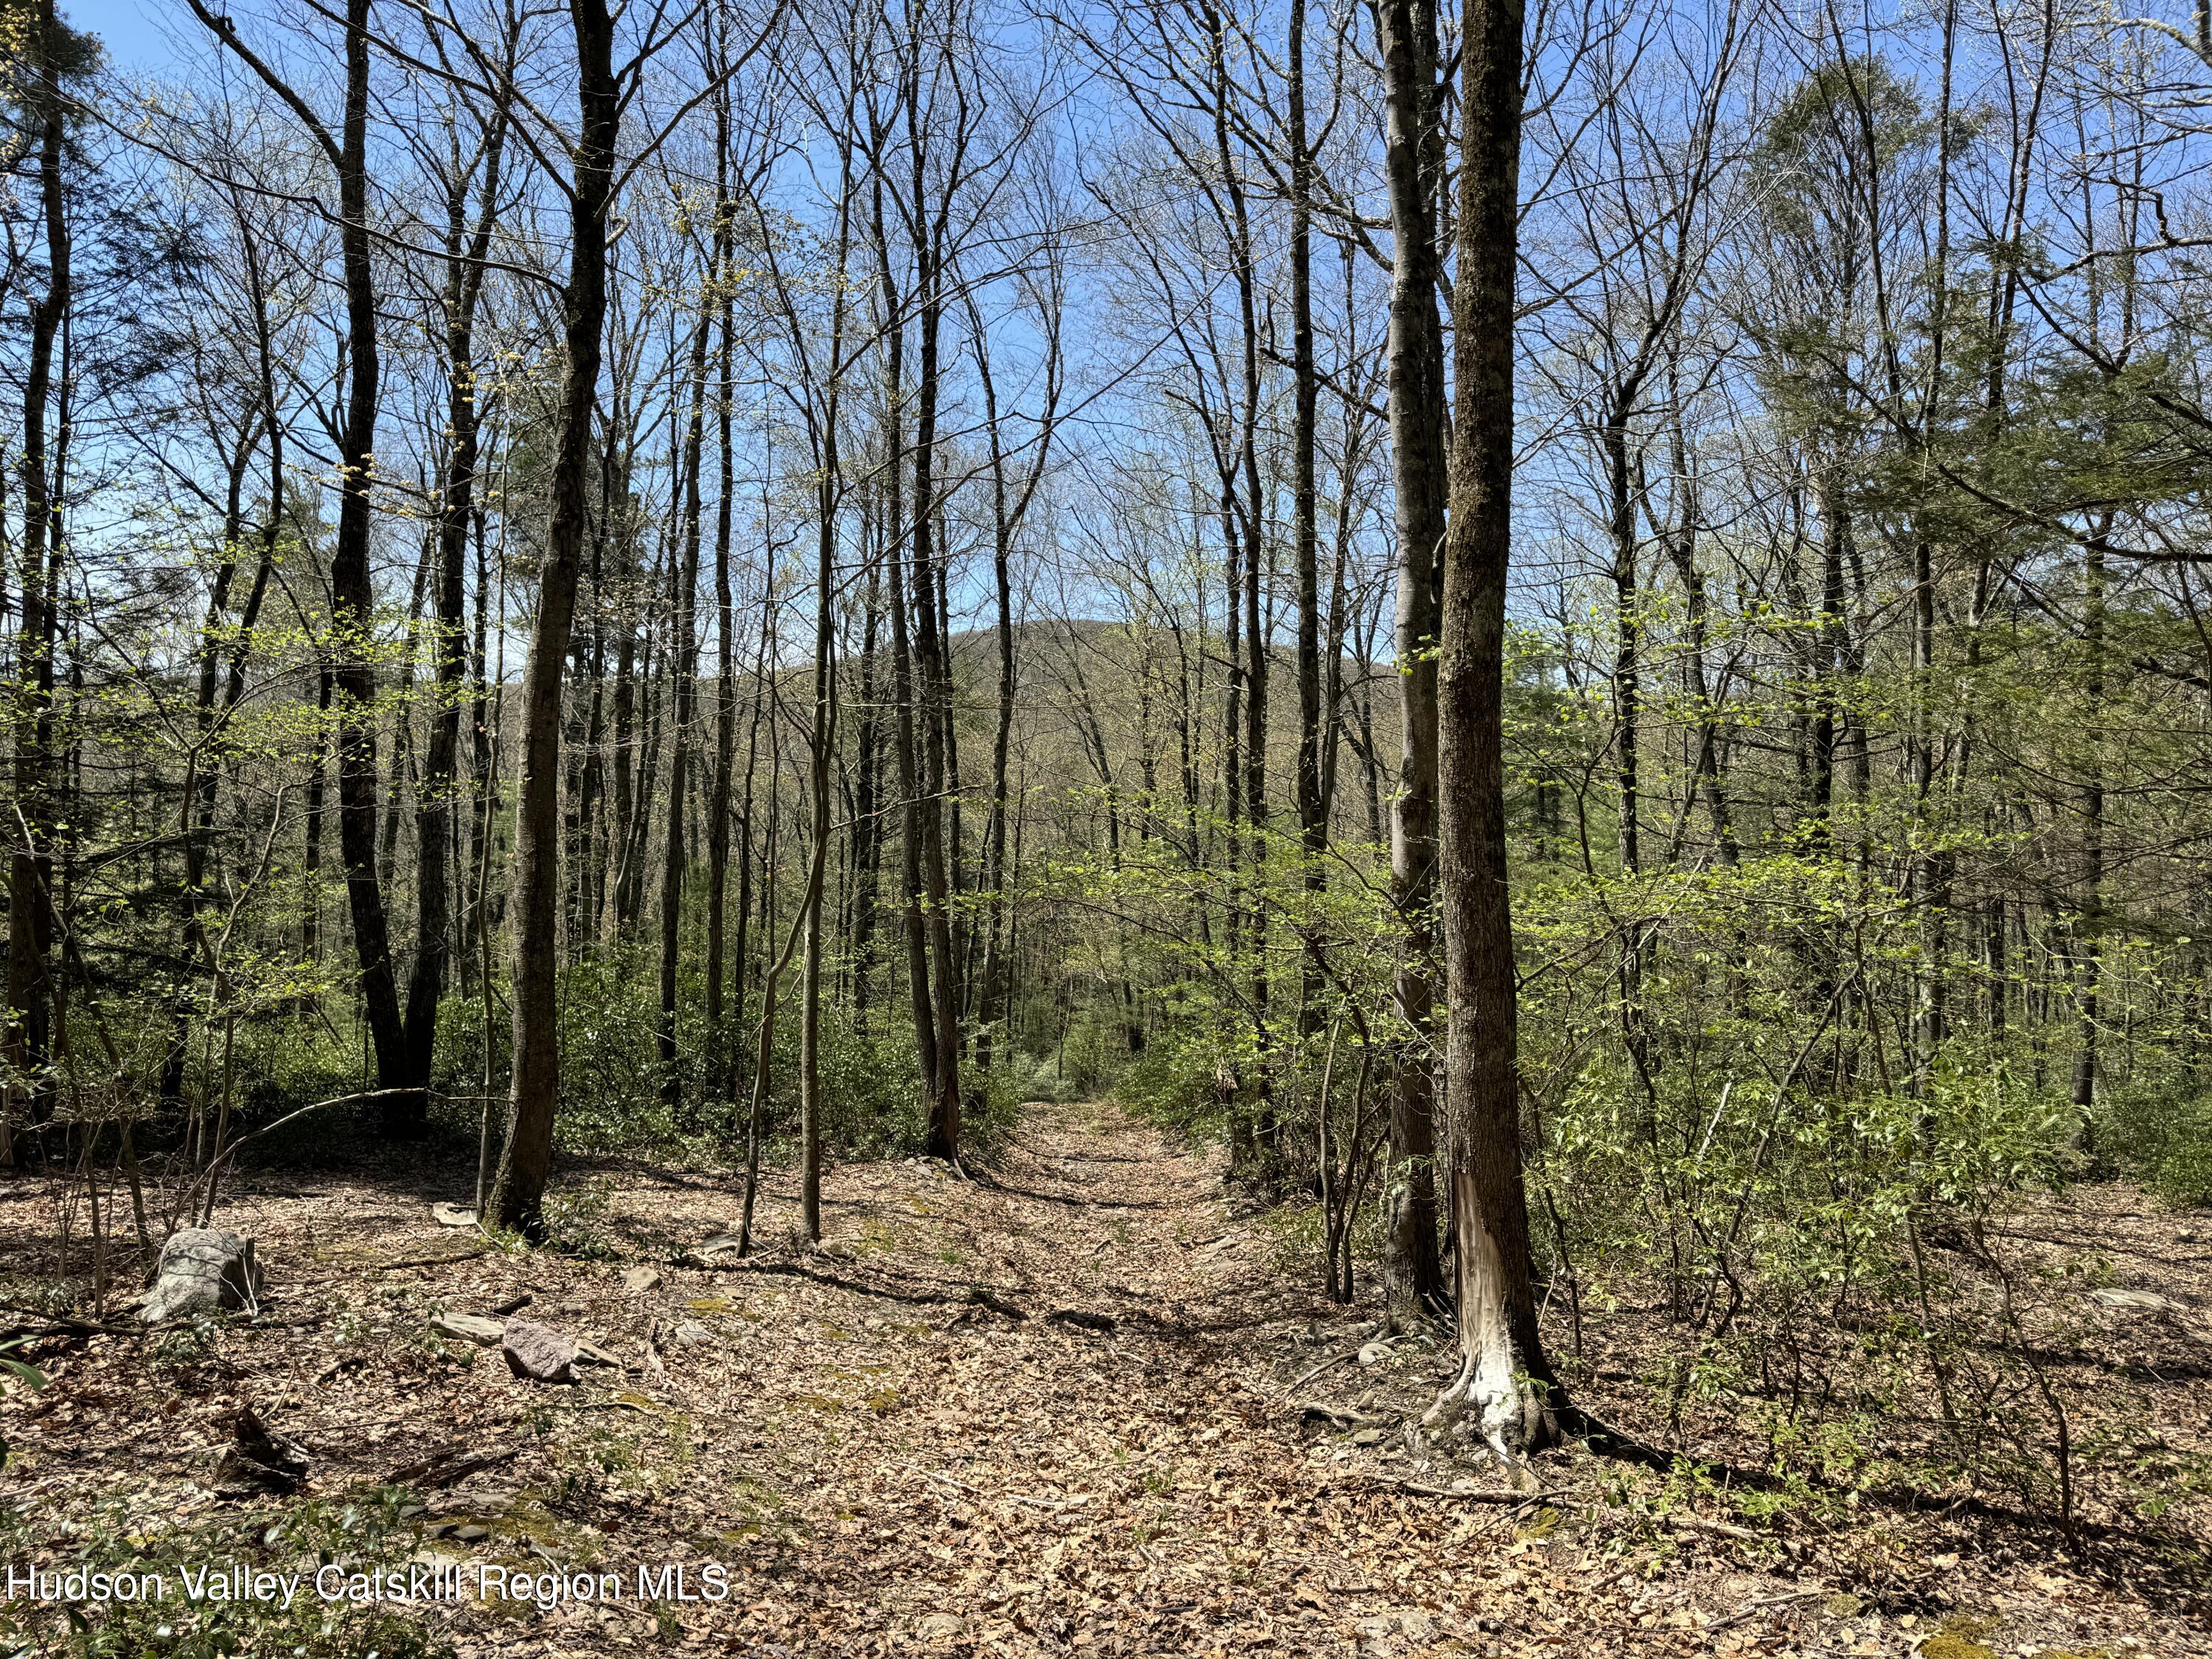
(1060, 1407)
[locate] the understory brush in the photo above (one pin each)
(363, 1533)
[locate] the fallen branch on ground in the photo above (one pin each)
(429, 1261)
(1465, 1494)
(1329, 1363)
(1081, 1319)
(449, 1464)
(1343, 1416)
(984, 1297)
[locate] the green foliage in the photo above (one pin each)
(2162, 1128)
(1176, 1082)
(579, 1223)
(371, 1529)
(21, 1370)
(611, 1095)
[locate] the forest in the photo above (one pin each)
(1174, 826)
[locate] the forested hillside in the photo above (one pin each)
(1563, 648)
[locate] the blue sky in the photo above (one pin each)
(138, 32)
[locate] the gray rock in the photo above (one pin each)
(938, 1627)
(638, 1281)
(1376, 1352)
(452, 1215)
(469, 1327)
(1368, 1438)
(536, 1351)
(2141, 1301)
(691, 1334)
(203, 1271)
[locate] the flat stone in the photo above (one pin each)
(452, 1215)
(691, 1334)
(469, 1327)
(2141, 1301)
(638, 1281)
(1368, 1438)
(203, 1271)
(538, 1353)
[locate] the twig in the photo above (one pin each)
(1329, 1363)
(1465, 1494)
(1699, 1524)
(1322, 1409)
(1052, 1505)
(429, 1261)
(1760, 1605)
(63, 1324)
(450, 1464)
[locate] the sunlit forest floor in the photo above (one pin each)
(1061, 1405)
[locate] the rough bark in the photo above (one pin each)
(1502, 1393)
(1412, 1275)
(30, 1005)
(519, 1190)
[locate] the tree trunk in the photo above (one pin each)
(684, 670)
(726, 697)
(1501, 1392)
(519, 1191)
(406, 1115)
(353, 674)
(29, 1012)
(822, 732)
(932, 681)
(2084, 934)
(1412, 1276)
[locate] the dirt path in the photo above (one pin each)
(1044, 1411)
(1095, 1456)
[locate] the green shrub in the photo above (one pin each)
(2162, 1131)
(368, 1530)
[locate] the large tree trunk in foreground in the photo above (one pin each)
(28, 1012)
(1502, 1391)
(1413, 1276)
(535, 1091)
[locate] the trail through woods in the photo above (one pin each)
(1054, 1409)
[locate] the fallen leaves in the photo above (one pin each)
(1014, 1417)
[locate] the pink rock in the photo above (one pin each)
(538, 1353)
